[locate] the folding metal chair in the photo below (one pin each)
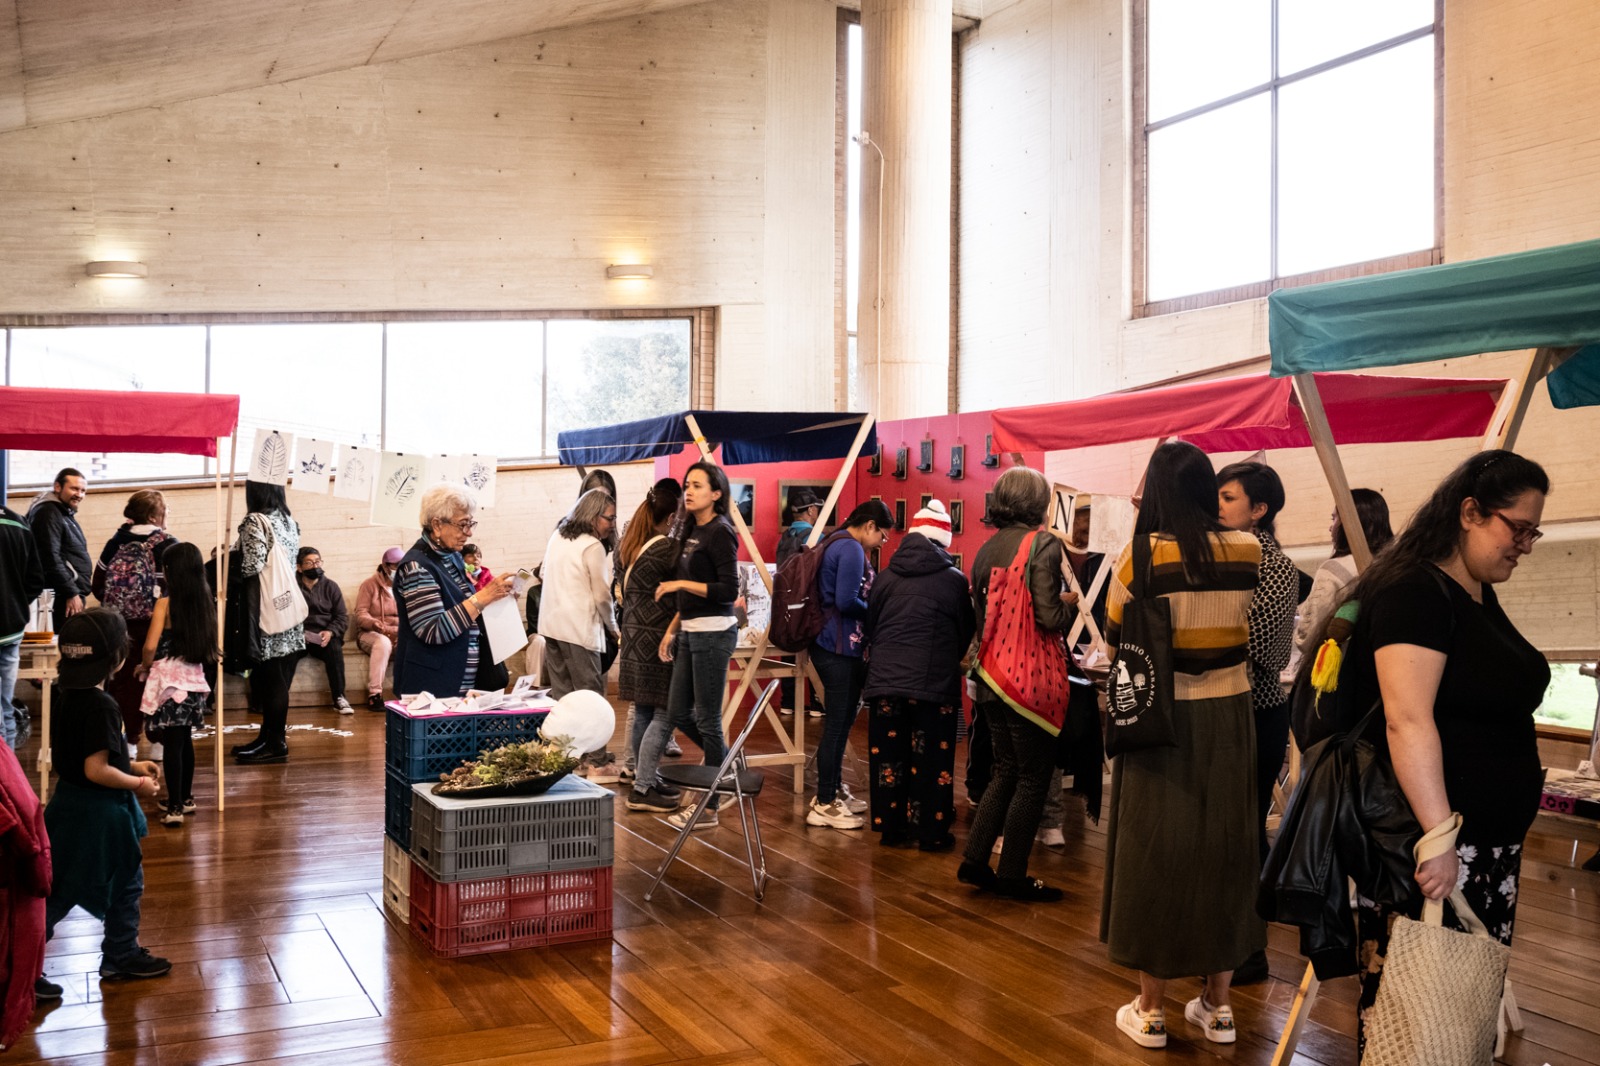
(733, 779)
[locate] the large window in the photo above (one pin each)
(1282, 141)
(488, 385)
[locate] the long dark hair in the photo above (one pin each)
(1374, 512)
(659, 504)
(1180, 501)
(191, 610)
(262, 498)
(1494, 479)
(871, 511)
(719, 483)
(1261, 484)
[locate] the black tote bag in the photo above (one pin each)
(1139, 700)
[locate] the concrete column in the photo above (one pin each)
(904, 319)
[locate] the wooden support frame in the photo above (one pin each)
(756, 660)
(1507, 424)
(224, 522)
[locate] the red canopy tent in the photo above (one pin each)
(1258, 411)
(185, 423)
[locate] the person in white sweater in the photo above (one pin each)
(1334, 577)
(575, 609)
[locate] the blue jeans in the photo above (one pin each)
(640, 715)
(10, 658)
(843, 677)
(122, 920)
(699, 682)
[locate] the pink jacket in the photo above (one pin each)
(24, 884)
(375, 608)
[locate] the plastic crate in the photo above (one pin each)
(509, 913)
(422, 748)
(570, 827)
(397, 880)
(397, 809)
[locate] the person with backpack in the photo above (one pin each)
(700, 638)
(127, 577)
(180, 642)
(844, 577)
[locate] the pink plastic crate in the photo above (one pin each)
(509, 913)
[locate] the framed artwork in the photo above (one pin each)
(875, 462)
(744, 498)
(927, 498)
(989, 457)
(958, 461)
(925, 457)
(988, 505)
(959, 561)
(902, 462)
(899, 514)
(958, 517)
(819, 489)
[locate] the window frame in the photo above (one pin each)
(702, 354)
(1141, 128)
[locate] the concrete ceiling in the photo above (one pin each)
(62, 60)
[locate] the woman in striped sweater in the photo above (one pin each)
(1181, 856)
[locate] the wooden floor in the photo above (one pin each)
(271, 914)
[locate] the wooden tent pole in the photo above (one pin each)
(1540, 363)
(838, 482)
(222, 601)
(1328, 453)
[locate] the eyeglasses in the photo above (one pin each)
(608, 517)
(1522, 534)
(466, 525)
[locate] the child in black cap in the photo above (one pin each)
(93, 819)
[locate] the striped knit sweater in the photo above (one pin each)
(1210, 623)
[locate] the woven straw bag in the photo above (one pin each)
(1439, 999)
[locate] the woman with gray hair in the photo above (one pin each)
(439, 649)
(575, 610)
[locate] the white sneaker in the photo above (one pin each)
(844, 795)
(1216, 1021)
(1052, 838)
(1147, 1028)
(343, 706)
(835, 815)
(133, 751)
(157, 752)
(609, 774)
(678, 820)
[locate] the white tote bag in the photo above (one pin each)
(282, 605)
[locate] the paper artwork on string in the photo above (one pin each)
(478, 477)
(269, 457)
(1111, 524)
(442, 470)
(399, 490)
(313, 465)
(357, 471)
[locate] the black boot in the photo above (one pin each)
(247, 749)
(278, 752)
(976, 874)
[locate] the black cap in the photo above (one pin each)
(92, 643)
(800, 498)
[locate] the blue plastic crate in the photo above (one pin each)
(397, 809)
(420, 749)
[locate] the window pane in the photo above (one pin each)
(1208, 201)
(137, 358)
(426, 358)
(604, 371)
(1315, 31)
(1201, 52)
(1355, 161)
(320, 380)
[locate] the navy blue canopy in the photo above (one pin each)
(745, 436)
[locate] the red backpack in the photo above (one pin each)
(797, 598)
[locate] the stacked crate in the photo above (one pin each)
(500, 874)
(420, 747)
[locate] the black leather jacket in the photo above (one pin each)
(1348, 819)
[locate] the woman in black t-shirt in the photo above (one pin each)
(1459, 686)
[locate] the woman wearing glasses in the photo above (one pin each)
(1459, 686)
(439, 649)
(576, 611)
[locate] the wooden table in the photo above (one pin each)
(37, 661)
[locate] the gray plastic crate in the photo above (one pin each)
(570, 827)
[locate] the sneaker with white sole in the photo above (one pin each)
(188, 805)
(133, 751)
(1147, 1028)
(342, 705)
(708, 820)
(1052, 837)
(1216, 1021)
(834, 815)
(856, 806)
(626, 775)
(673, 750)
(157, 752)
(172, 816)
(651, 799)
(609, 774)
(140, 964)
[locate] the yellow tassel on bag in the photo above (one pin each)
(1325, 668)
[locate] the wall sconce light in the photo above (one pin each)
(630, 270)
(115, 268)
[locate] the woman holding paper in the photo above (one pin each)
(439, 643)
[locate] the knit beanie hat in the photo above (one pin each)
(933, 523)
